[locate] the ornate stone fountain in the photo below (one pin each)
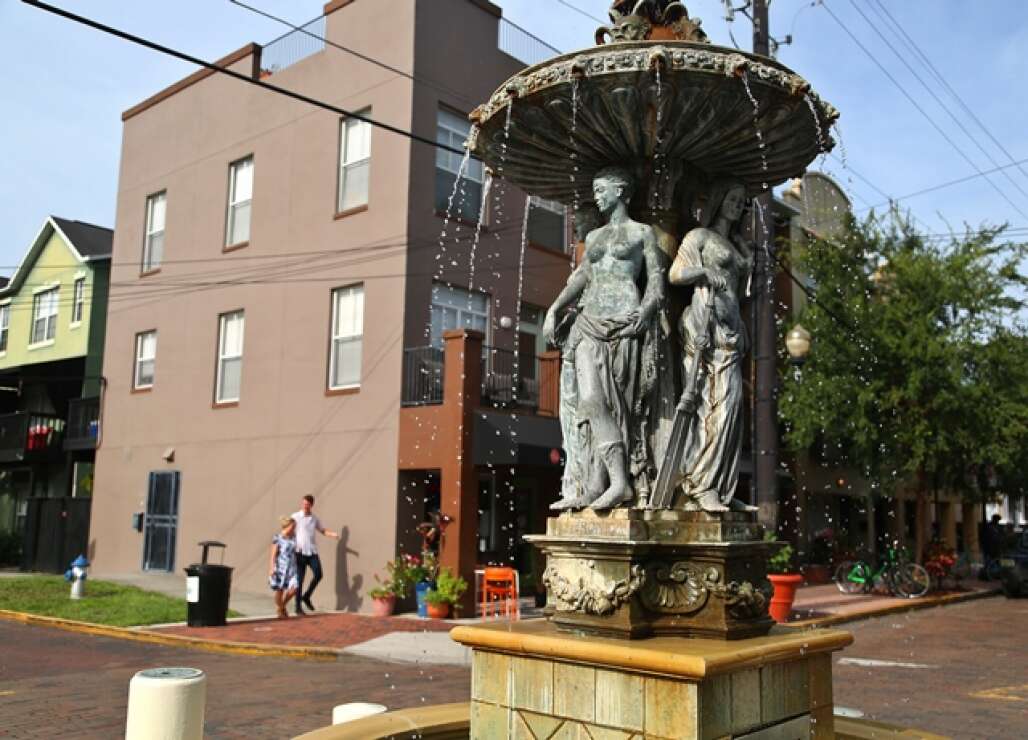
(680, 132)
(667, 137)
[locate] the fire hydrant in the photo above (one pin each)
(77, 575)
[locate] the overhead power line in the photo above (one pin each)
(438, 86)
(938, 100)
(945, 83)
(917, 105)
(237, 75)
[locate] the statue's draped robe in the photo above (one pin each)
(636, 379)
(710, 463)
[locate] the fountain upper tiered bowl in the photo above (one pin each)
(716, 112)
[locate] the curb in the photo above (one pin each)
(297, 652)
(909, 606)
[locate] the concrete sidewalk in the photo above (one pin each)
(824, 605)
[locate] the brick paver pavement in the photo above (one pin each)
(957, 670)
(62, 684)
(328, 630)
(965, 672)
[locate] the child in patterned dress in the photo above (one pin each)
(282, 565)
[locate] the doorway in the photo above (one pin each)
(161, 523)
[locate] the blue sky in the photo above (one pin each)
(64, 88)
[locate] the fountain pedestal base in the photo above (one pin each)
(529, 679)
(634, 573)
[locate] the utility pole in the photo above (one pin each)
(765, 406)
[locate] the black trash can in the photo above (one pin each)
(207, 590)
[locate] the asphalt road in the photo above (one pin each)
(960, 671)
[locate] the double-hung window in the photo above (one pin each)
(153, 241)
(44, 316)
(344, 366)
(452, 131)
(456, 308)
(354, 163)
(240, 195)
(78, 300)
(5, 324)
(230, 357)
(146, 358)
(546, 224)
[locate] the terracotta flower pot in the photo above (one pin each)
(438, 611)
(383, 606)
(785, 594)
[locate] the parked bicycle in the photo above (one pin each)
(896, 573)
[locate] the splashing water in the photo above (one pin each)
(573, 175)
(822, 144)
(761, 144)
(458, 187)
(477, 238)
(658, 153)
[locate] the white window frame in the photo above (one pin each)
(559, 209)
(140, 359)
(349, 160)
(453, 130)
(341, 335)
(236, 201)
(459, 300)
(78, 300)
(51, 304)
(5, 326)
(153, 231)
(226, 356)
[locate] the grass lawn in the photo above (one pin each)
(104, 602)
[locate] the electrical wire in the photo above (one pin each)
(581, 12)
(154, 46)
(435, 85)
(916, 105)
(938, 100)
(945, 83)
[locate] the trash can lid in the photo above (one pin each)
(211, 543)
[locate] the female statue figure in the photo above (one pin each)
(714, 259)
(610, 349)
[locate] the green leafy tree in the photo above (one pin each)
(918, 375)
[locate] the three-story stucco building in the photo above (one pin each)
(295, 315)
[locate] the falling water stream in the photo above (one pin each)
(573, 175)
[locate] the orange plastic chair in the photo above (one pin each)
(500, 585)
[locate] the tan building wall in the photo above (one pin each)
(245, 465)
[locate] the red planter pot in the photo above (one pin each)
(785, 594)
(383, 607)
(438, 611)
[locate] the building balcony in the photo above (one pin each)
(26, 436)
(507, 380)
(83, 429)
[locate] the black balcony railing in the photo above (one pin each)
(83, 429)
(27, 436)
(422, 376)
(500, 368)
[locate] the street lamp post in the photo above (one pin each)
(797, 342)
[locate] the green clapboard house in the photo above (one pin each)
(53, 312)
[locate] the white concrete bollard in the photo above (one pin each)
(357, 710)
(166, 704)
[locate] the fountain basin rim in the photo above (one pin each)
(640, 56)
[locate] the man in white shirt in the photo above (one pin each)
(307, 551)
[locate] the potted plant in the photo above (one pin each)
(782, 575)
(421, 573)
(446, 594)
(384, 595)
